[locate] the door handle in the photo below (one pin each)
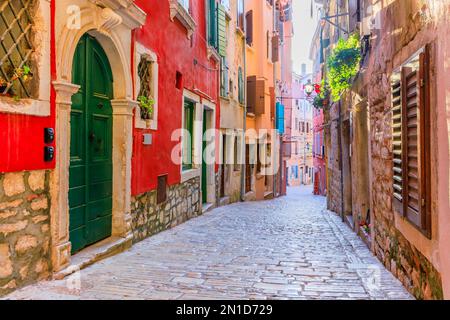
(92, 137)
(100, 106)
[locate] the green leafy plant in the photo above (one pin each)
(343, 65)
(146, 104)
(24, 73)
(322, 99)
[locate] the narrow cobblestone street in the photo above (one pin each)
(288, 248)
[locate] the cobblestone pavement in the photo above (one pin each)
(287, 248)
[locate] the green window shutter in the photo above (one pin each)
(222, 31)
(212, 28)
(241, 86)
(224, 78)
(187, 140)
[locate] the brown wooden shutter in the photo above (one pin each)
(273, 101)
(251, 94)
(249, 27)
(410, 160)
(260, 97)
(425, 140)
(275, 49)
(397, 146)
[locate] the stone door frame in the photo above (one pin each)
(114, 35)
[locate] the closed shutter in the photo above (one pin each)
(275, 49)
(222, 30)
(425, 139)
(251, 94)
(212, 28)
(240, 14)
(249, 27)
(240, 86)
(224, 82)
(272, 102)
(260, 97)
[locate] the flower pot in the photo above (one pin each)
(148, 123)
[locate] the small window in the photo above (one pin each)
(249, 27)
(240, 14)
(241, 86)
(17, 68)
(188, 126)
(224, 78)
(145, 74)
(236, 152)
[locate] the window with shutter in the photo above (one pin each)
(224, 90)
(249, 27)
(251, 94)
(212, 24)
(16, 49)
(240, 86)
(240, 14)
(411, 141)
(275, 48)
(222, 30)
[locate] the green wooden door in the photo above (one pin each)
(90, 182)
(204, 166)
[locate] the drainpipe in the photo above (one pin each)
(274, 182)
(341, 160)
(244, 123)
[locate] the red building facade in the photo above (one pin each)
(95, 62)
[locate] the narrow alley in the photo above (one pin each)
(287, 248)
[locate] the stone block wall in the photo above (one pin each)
(24, 229)
(398, 254)
(333, 166)
(149, 218)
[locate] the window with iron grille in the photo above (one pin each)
(16, 49)
(145, 74)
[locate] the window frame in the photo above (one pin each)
(39, 105)
(142, 51)
(420, 63)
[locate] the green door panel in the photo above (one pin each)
(90, 180)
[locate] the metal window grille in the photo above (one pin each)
(16, 23)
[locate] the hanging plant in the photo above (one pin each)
(322, 99)
(146, 104)
(343, 65)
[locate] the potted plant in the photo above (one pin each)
(322, 99)
(24, 73)
(146, 104)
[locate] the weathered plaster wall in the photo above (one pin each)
(175, 53)
(24, 229)
(416, 260)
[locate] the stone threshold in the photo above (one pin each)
(349, 220)
(249, 196)
(207, 207)
(99, 251)
(224, 201)
(268, 195)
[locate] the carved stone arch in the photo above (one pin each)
(112, 29)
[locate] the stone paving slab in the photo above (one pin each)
(287, 248)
